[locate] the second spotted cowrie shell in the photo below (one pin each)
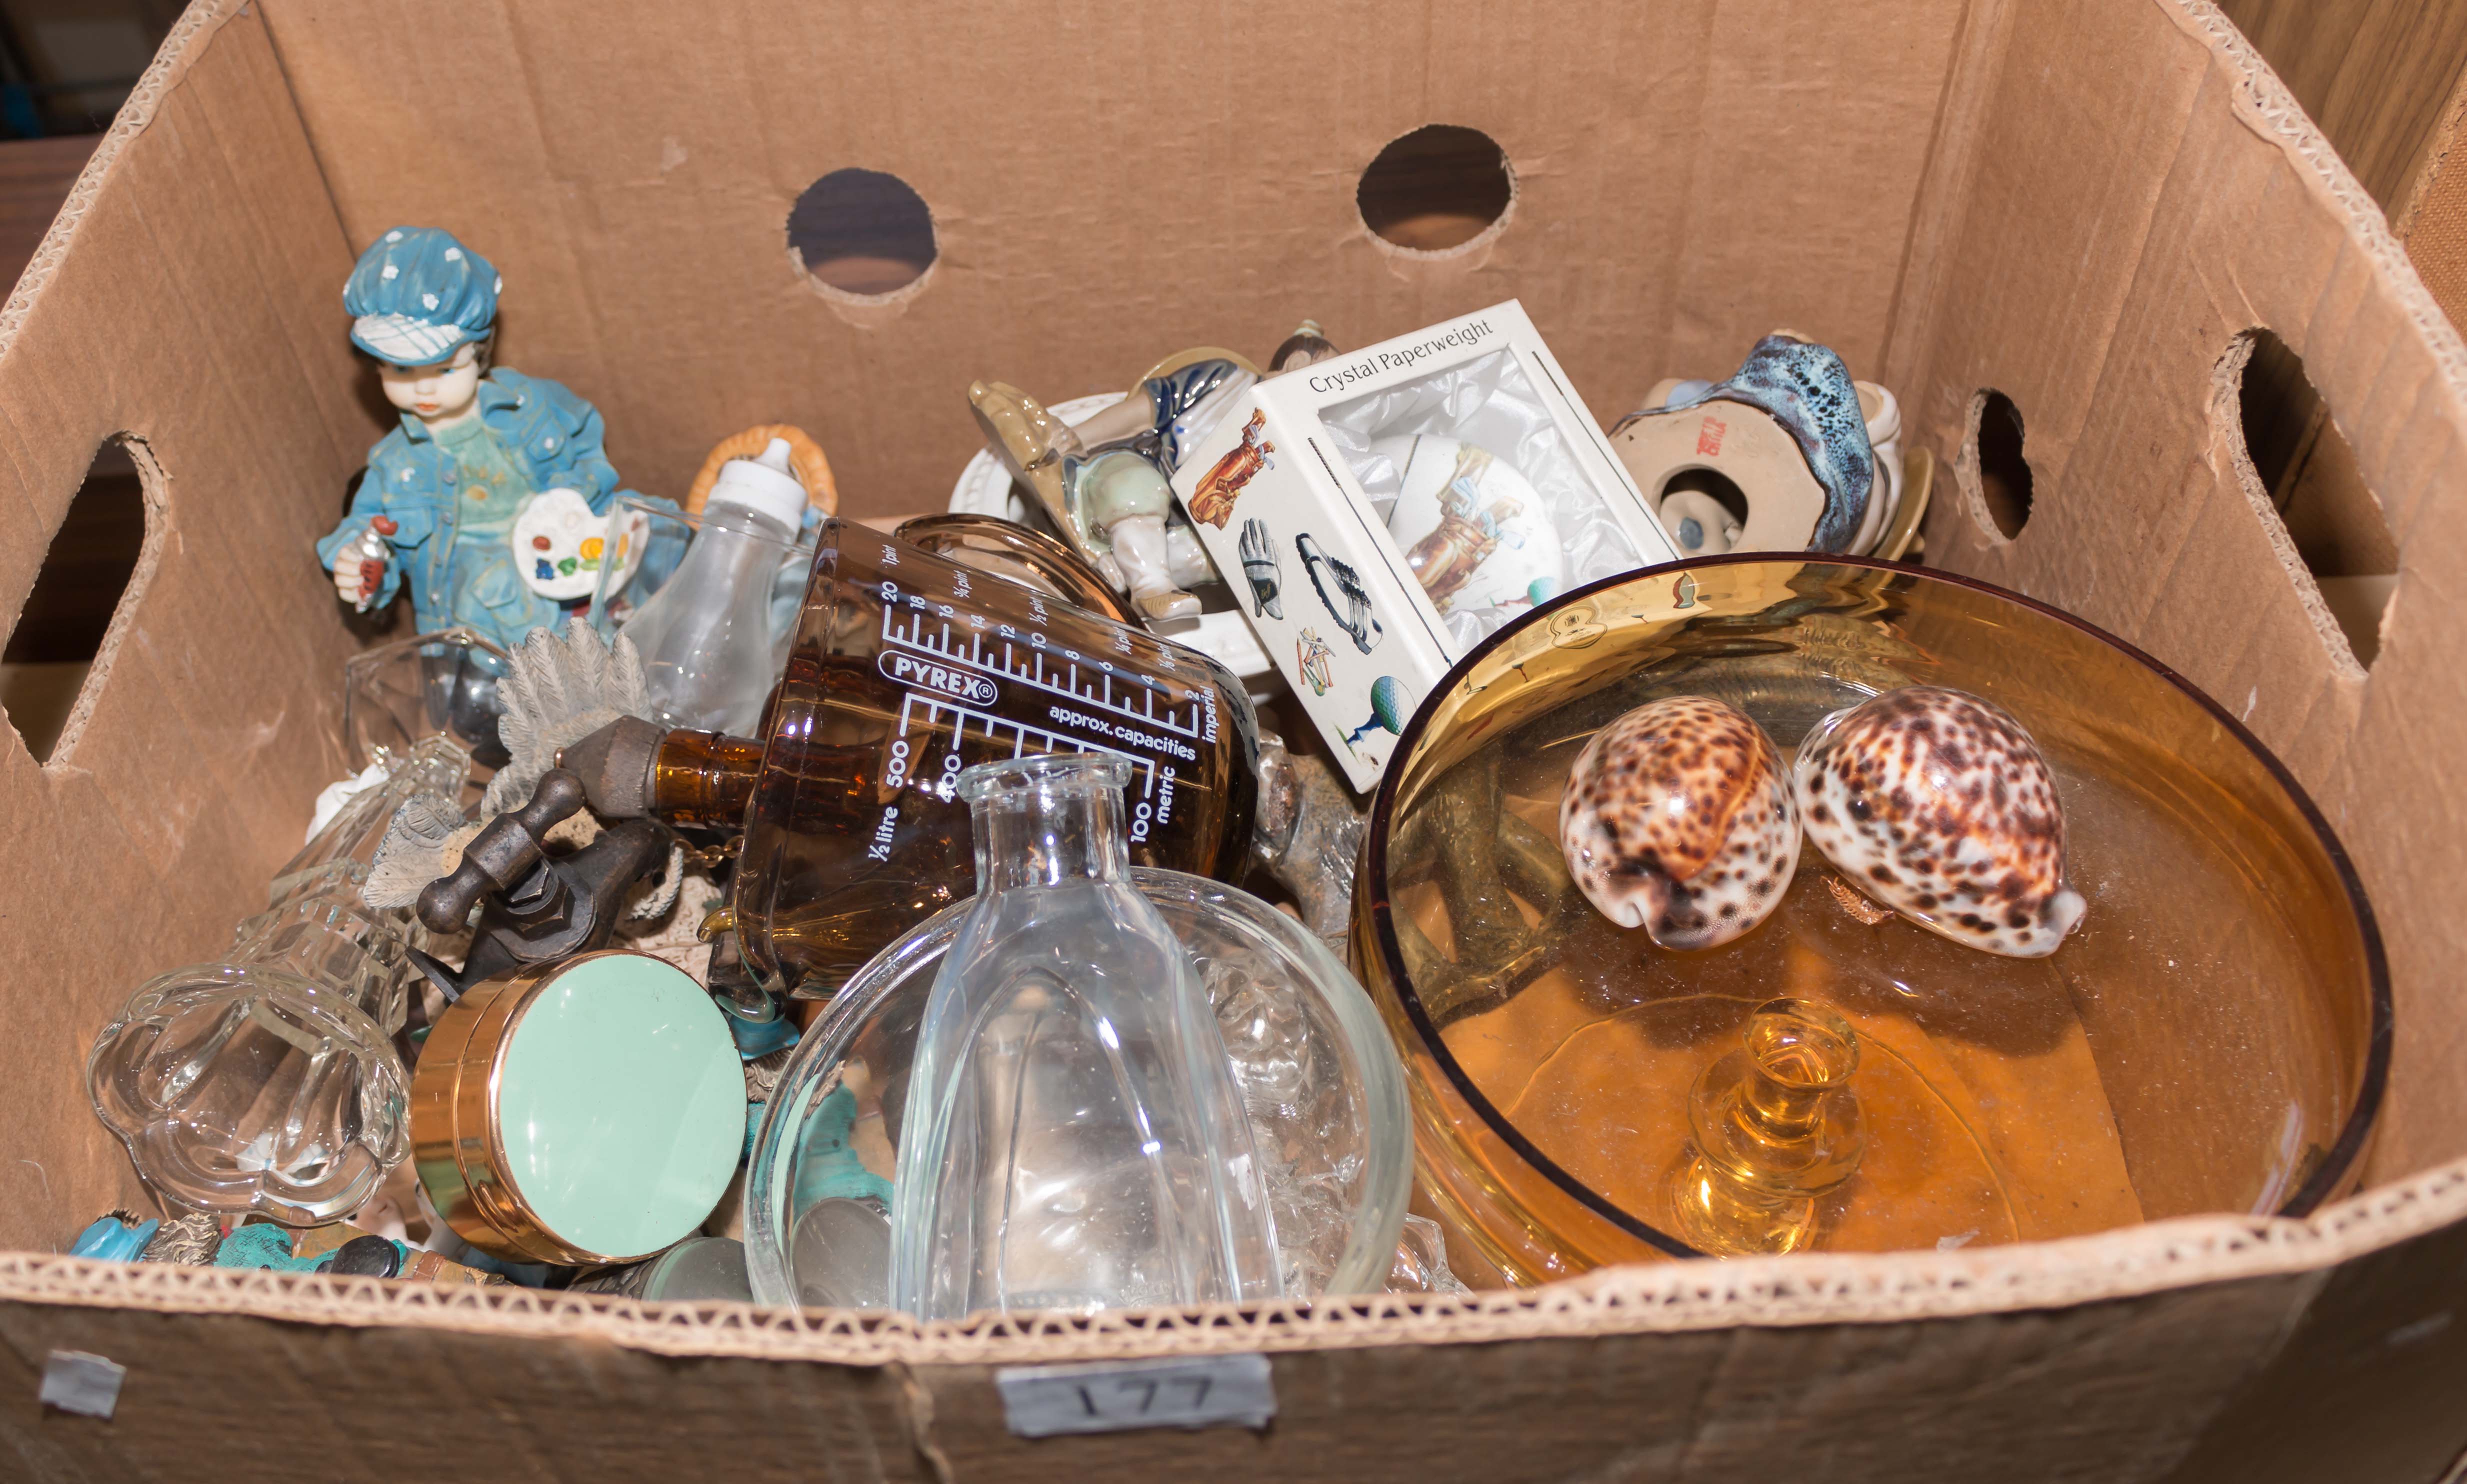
(1939, 804)
(1678, 818)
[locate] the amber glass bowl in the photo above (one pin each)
(2214, 1038)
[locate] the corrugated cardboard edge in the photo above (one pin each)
(1766, 1293)
(2266, 106)
(152, 825)
(1673, 1297)
(185, 42)
(2263, 104)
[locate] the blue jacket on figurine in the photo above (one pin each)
(425, 307)
(412, 481)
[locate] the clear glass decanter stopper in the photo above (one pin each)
(1074, 1134)
(1776, 1126)
(267, 1081)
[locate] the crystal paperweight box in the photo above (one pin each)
(1388, 507)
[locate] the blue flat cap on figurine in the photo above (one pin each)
(418, 295)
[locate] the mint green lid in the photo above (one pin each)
(620, 1103)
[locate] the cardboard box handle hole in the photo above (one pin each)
(865, 235)
(1994, 473)
(1441, 188)
(57, 654)
(2303, 480)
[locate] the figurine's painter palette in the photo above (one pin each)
(560, 545)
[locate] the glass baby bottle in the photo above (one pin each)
(705, 636)
(1076, 1138)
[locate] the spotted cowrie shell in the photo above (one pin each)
(1678, 818)
(1937, 804)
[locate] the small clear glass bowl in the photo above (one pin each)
(245, 1087)
(2213, 1037)
(1318, 1073)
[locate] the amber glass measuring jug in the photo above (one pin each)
(907, 668)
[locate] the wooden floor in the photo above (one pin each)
(34, 178)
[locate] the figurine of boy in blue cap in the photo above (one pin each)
(475, 445)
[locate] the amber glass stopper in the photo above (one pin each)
(1776, 1126)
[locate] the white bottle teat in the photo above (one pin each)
(766, 484)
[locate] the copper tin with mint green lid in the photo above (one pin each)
(588, 1111)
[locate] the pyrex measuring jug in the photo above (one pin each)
(907, 668)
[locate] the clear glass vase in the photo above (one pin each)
(1080, 1140)
(267, 1081)
(1319, 1074)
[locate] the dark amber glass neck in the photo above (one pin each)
(702, 778)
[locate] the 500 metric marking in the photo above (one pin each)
(921, 717)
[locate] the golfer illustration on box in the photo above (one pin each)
(1473, 530)
(1444, 559)
(1212, 499)
(475, 447)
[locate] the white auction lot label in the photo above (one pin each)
(1208, 1391)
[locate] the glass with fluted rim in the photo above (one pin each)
(267, 1081)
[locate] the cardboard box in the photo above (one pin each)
(2087, 208)
(1358, 634)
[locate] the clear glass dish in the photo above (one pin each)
(2214, 1036)
(429, 685)
(267, 1080)
(1319, 1075)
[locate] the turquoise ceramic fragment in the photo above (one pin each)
(115, 1239)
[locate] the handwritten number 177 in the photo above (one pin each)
(1149, 1391)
